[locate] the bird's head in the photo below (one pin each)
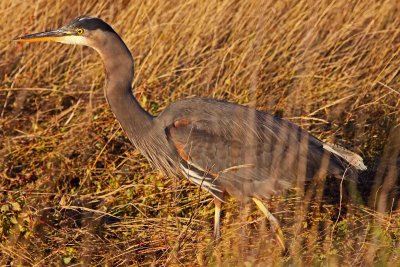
(95, 33)
(89, 31)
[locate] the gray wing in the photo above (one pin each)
(245, 152)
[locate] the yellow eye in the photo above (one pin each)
(80, 31)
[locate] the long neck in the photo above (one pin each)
(118, 64)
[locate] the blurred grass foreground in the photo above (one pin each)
(75, 192)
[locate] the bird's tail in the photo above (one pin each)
(352, 158)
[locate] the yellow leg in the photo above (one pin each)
(217, 218)
(273, 222)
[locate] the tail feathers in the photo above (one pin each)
(352, 158)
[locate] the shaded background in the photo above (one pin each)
(74, 191)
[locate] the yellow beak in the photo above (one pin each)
(55, 36)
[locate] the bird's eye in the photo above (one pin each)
(80, 31)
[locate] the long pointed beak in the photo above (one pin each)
(55, 36)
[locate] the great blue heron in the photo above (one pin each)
(222, 147)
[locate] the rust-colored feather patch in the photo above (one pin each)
(182, 123)
(181, 151)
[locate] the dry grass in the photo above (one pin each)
(74, 191)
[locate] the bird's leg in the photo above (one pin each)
(217, 218)
(273, 222)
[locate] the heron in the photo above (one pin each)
(223, 147)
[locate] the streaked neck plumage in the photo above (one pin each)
(119, 67)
